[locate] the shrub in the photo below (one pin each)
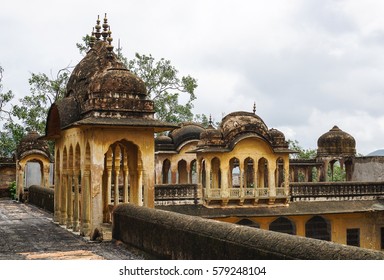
(12, 190)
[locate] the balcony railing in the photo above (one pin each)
(336, 191)
(177, 194)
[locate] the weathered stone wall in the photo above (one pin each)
(368, 169)
(41, 197)
(175, 236)
(7, 176)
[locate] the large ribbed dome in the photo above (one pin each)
(336, 143)
(243, 122)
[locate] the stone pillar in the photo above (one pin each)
(116, 196)
(63, 203)
(86, 204)
(126, 184)
(57, 198)
(70, 199)
(20, 182)
(271, 179)
(140, 186)
(76, 209)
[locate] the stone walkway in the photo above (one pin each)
(27, 232)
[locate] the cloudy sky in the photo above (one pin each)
(308, 64)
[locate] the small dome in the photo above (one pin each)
(187, 132)
(32, 144)
(278, 138)
(336, 143)
(164, 143)
(211, 137)
(163, 139)
(243, 122)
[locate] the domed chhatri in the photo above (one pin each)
(102, 91)
(336, 143)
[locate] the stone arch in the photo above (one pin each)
(193, 172)
(122, 154)
(166, 172)
(69, 187)
(319, 228)
(249, 173)
(182, 172)
(284, 225)
(235, 172)
(248, 222)
(203, 173)
(215, 173)
(336, 171)
(63, 186)
(263, 171)
(280, 175)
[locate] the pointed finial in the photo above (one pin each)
(98, 28)
(105, 28)
(109, 47)
(92, 39)
(210, 122)
(254, 107)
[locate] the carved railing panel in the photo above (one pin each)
(177, 194)
(336, 191)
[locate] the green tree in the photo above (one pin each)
(33, 110)
(7, 138)
(301, 152)
(5, 98)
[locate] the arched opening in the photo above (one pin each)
(76, 184)
(182, 172)
(283, 225)
(336, 171)
(203, 174)
(234, 165)
(193, 172)
(248, 222)
(215, 173)
(249, 170)
(33, 173)
(122, 154)
(280, 173)
(166, 172)
(319, 228)
(263, 182)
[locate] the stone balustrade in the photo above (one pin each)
(336, 191)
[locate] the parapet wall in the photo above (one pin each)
(41, 197)
(176, 236)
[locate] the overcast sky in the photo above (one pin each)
(308, 64)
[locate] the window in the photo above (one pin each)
(318, 228)
(283, 225)
(382, 238)
(353, 237)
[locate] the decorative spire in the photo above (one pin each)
(210, 121)
(98, 28)
(92, 39)
(109, 39)
(254, 108)
(105, 28)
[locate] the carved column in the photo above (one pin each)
(70, 199)
(63, 203)
(140, 186)
(86, 199)
(76, 209)
(57, 197)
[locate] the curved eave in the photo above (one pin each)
(158, 126)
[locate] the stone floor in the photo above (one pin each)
(27, 232)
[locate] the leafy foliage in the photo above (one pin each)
(12, 190)
(301, 152)
(44, 92)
